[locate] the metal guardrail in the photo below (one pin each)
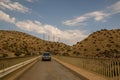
(108, 68)
(8, 70)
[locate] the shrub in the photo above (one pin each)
(85, 49)
(97, 49)
(5, 55)
(17, 53)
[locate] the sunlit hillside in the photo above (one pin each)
(104, 43)
(14, 43)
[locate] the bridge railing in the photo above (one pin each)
(7, 62)
(5, 70)
(109, 68)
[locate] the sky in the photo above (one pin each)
(67, 21)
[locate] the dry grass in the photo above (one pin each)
(12, 42)
(104, 43)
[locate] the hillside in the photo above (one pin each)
(104, 43)
(21, 44)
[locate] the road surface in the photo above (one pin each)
(46, 70)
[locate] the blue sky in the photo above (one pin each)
(67, 21)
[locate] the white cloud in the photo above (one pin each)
(5, 17)
(67, 36)
(95, 15)
(73, 36)
(76, 22)
(10, 5)
(115, 8)
(30, 1)
(30, 26)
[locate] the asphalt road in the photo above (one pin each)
(46, 70)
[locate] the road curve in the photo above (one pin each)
(46, 70)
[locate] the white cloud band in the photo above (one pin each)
(5, 17)
(96, 16)
(10, 5)
(67, 36)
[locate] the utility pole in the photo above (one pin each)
(48, 37)
(43, 36)
(53, 38)
(58, 39)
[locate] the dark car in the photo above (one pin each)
(46, 56)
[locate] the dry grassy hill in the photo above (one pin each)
(18, 43)
(104, 43)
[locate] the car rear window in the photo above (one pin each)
(46, 54)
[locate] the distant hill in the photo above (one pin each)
(103, 43)
(21, 44)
